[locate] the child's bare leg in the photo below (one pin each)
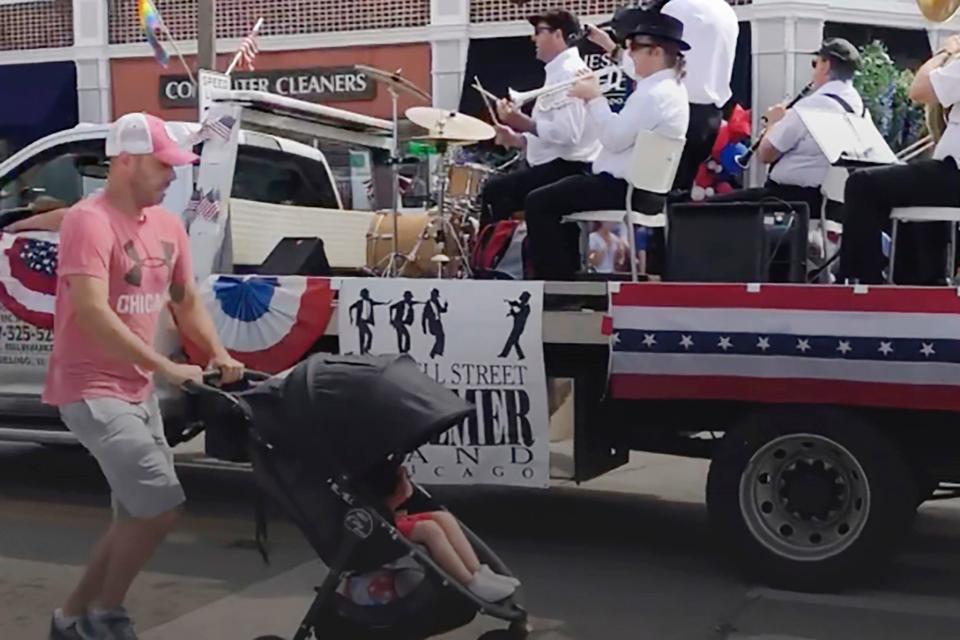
(431, 534)
(458, 540)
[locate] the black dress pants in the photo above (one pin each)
(503, 195)
(702, 132)
(870, 195)
(555, 246)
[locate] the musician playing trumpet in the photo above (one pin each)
(798, 167)
(870, 194)
(658, 103)
(557, 140)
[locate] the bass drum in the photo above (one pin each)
(410, 227)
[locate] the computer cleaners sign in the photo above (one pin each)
(320, 84)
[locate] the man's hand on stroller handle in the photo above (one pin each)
(231, 369)
(212, 380)
(179, 374)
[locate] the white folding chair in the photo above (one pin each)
(653, 168)
(832, 190)
(926, 214)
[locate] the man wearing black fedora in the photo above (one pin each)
(659, 103)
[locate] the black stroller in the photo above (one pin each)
(309, 436)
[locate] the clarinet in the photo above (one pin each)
(744, 159)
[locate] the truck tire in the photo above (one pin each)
(810, 499)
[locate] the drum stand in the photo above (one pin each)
(445, 228)
(392, 270)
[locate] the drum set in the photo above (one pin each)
(435, 242)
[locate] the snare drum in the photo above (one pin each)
(466, 180)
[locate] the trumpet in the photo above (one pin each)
(744, 159)
(608, 76)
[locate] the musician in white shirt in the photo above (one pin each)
(557, 140)
(870, 194)
(798, 167)
(658, 103)
(711, 27)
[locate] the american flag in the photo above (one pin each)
(40, 256)
(248, 51)
(28, 275)
(221, 127)
(191, 211)
(209, 207)
(879, 346)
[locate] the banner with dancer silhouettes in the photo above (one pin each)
(483, 340)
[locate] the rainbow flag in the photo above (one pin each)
(150, 25)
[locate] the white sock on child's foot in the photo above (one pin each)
(63, 621)
(488, 589)
(486, 570)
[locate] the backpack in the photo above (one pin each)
(500, 251)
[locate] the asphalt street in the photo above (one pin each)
(624, 557)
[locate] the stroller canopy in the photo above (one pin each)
(354, 411)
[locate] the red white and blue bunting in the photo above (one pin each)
(268, 323)
(28, 275)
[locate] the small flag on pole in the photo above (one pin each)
(221, 128)
(150, 25)
(248, 50)
(209, 207)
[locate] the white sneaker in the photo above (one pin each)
(489, 589)
(487, 571)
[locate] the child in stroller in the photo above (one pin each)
(316, 436)
(441, 534)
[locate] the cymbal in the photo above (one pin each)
(395, 80)
(443, 124)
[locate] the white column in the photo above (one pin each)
(449, 43)
(781, 65)
(90, 40)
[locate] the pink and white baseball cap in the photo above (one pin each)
(142, 134)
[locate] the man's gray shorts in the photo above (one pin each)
(128, 442)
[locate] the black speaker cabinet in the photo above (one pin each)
(297, 257)
(736, 242)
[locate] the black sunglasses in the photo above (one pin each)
(639, 46)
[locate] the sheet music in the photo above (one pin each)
(847, 139)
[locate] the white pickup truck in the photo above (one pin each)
(61, 169)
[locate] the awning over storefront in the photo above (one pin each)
(38, 99)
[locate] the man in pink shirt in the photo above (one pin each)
(122, 260)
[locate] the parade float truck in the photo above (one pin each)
(828, 413)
